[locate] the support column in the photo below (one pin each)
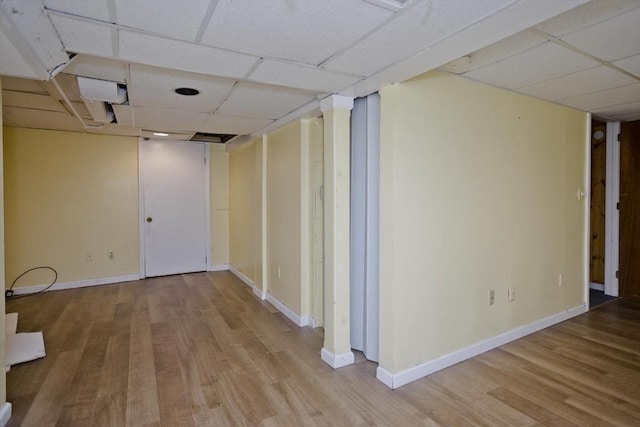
(337, 341)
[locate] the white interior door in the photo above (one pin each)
(174, 207)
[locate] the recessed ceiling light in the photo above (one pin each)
(187, 91)
(160, 134)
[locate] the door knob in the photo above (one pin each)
(149, 219)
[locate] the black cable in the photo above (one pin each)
(9, 292)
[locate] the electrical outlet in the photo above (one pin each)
(492, 297)
(111, 255)
(560, 282)
(88, 257)
(278, 273)
(511, 293)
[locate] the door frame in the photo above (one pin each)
(612, 215)
(207, 202)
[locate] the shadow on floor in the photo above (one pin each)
(597, 298)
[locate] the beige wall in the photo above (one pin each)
(478, 192)
(68, 195)
(275, 171)
(219, 205)
(3, 376)
(283, 215)
(242, 181)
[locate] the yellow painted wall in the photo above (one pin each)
(242, 179)
(283, 215)
(477, 192)
(68, 195)
(3, 376)
(219, 175)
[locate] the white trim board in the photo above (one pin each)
(257, 292)
(337, 360)
(294, 317)
(5, 414)
(218, 267)
(76, 284)
(422, 370)
(596, 286)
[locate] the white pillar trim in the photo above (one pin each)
(333, 102)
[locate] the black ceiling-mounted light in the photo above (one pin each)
(187, 91)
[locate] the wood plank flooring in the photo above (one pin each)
(201, 350)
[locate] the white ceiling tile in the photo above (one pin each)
(13, 64)
(300, 76)
(420, 26)
(123, 115)
(30, 100)
(606, 98)
(22, 85)
(69, 85)
(97, 68)
(307, 31)
(157, 119)
(263, 102)
(183, 56)
(26, 21)
(541, 63)
(617, 110)
(613, 39)
(83, 37)
(115, 129)
(154, 87)
(177, 19)
(630, 64)
(585, 15)
(39, 119)
(218, 123)
(629, 117)
(505, 48)
(94, 9)
(82, 110)
(580, 83)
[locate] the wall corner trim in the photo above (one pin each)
(294, 317)
(219, 267)
(5, 414)
(76, 284)
(337, 360)
(414, 373)
(333, 102)
(256, 291)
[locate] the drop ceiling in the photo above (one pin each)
(259, 63)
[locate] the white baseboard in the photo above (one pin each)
(76, 284)
(596, 286)
(337, 360)
(257, 292)
(219, 267)
(298, 320)
(5, 414)
(422, 370)
(294, 317)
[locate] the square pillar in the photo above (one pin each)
(336, 110)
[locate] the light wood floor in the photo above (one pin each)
(200, 349)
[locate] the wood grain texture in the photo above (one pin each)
(630, 211)
(201, 350)
(598, 201)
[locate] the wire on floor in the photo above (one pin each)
(9, 292)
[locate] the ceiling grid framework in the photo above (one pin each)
(259, 64)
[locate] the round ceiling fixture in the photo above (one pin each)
(187, 91)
